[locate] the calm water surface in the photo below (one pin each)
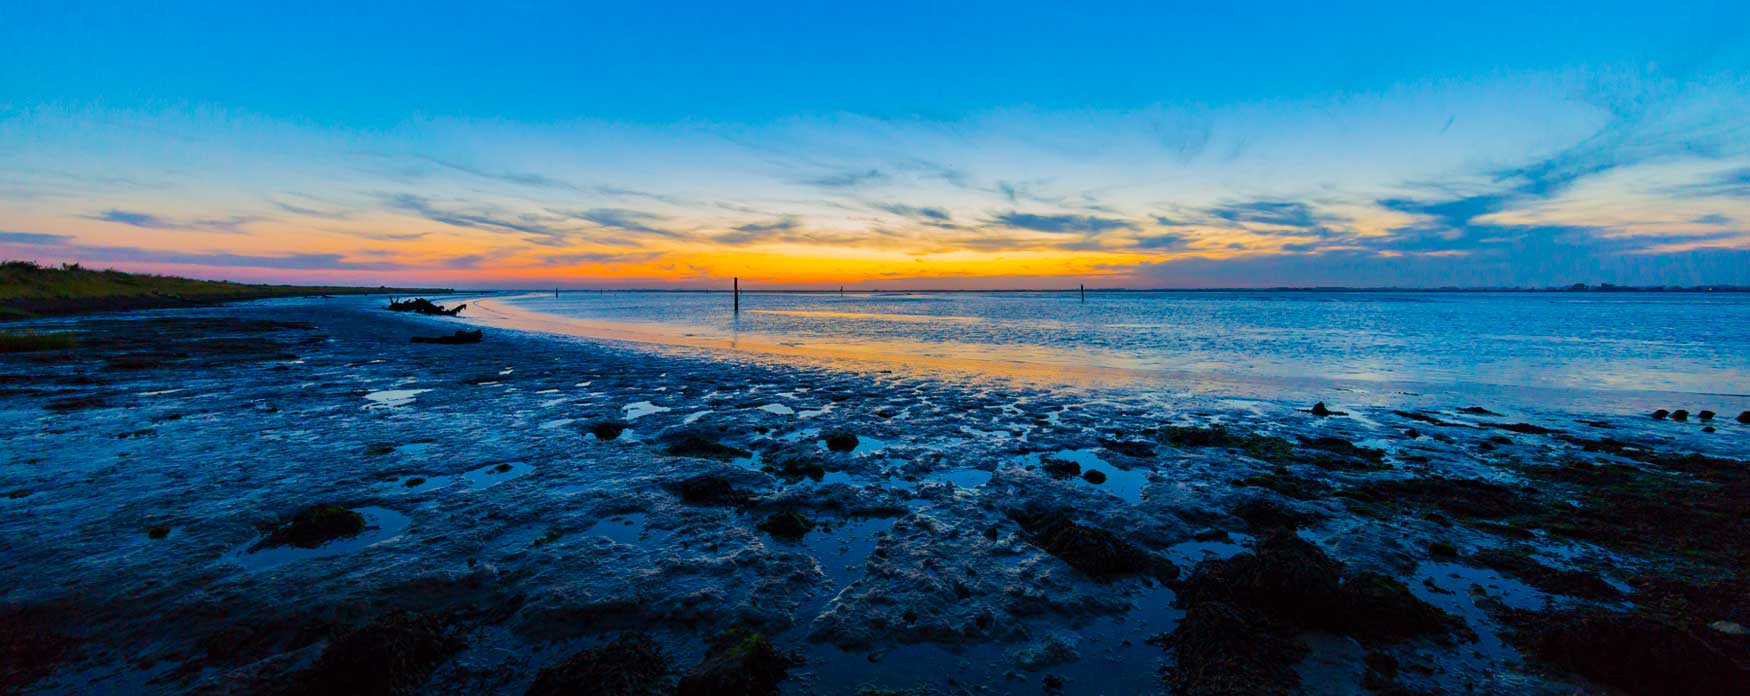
(1636, 342)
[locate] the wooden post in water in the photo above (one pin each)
(1084, 292)
(737, 295)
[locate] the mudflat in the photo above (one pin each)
(293, 496)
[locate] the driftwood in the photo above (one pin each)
(420, 305)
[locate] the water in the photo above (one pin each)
(1692, 343)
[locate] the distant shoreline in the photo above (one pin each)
(29, 291)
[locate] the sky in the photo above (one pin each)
(884, 145)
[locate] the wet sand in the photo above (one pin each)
(533, 496)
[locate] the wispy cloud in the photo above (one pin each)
(1060, 223)
(231, 224)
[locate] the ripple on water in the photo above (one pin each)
(392, 398)
(381, 525)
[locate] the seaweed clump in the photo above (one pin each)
(1098, 553)
(393, 655)
(1244, 615)
(629, 666)
(740, 661)
(314, 526)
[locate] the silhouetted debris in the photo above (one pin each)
(1319, 409)
(314, 526)
(740, 662)
(1477, 411)
(392, 655)
(455, 339)
(420, 305)
(629, 666)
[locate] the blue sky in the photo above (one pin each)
(900, 144)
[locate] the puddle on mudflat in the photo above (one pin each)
(1127, 485)
(381, 524)
(778, 409)
(1188, 554)
(845, 550)
(392, 398)
(1449, 586)
(963, 478)
(639, 409)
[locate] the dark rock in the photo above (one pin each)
(1661, 414)
(1478, 411)
(1525, 428)
(707, 489)
(1473, 498)
(1129, 448)
(790, 525)
(795, 469)
(1707, 429)
(1263, 515)
(1635, 653)
(414, 481)
(1680, 415)
(1096, 552)
(1337, 445)
(31, 645)
(1291, 581)
(1744, 417)
(1380, 608)
(455, 339)
(1223, 650)
(314, 526)
(420, 305)
(392, 655)
(841, 442)
(629, 666)
(1442, 549)
(157, 531)
(1059, 468)
(1706, 415)
(740, 662)
(700, 447)
(1094, 476)
(1573, 583)
(1319, 409)
(606, 430)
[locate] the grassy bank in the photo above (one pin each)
(28, 290)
